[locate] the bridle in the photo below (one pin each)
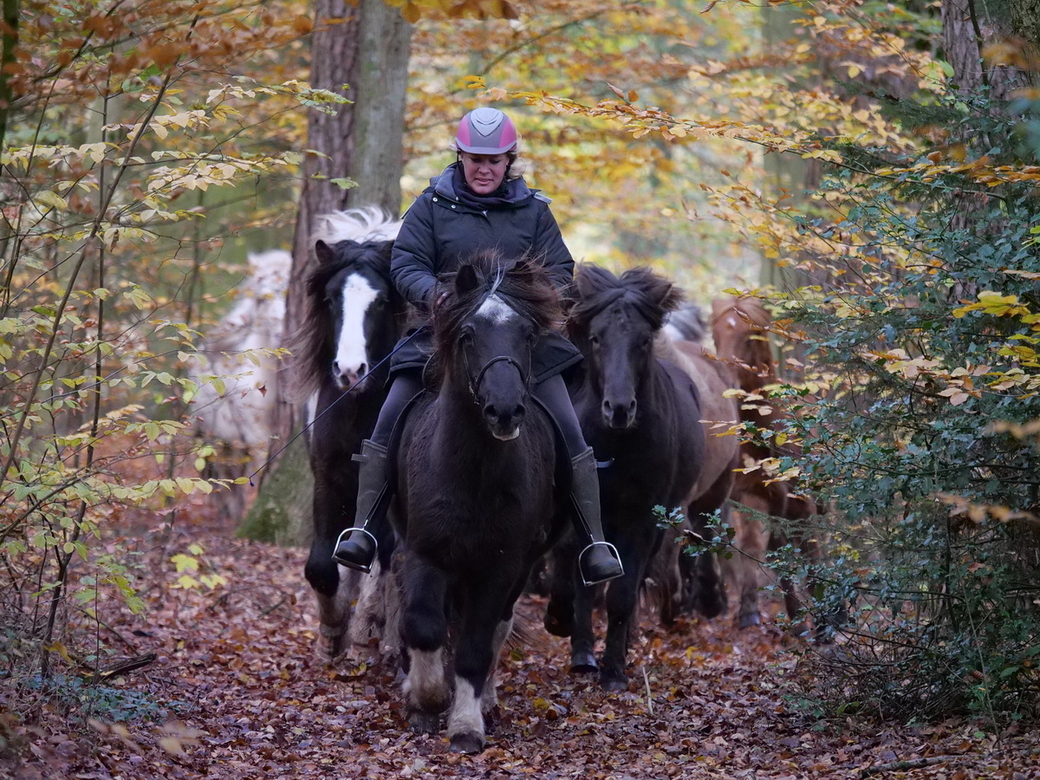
(474, 386)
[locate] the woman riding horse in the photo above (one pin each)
(479, 202)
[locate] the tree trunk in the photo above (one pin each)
(967, 31)
(360, 52)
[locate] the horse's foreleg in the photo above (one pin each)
(424, 630)
(476, 652)
(622, 600)
(559, 613)
(751, 539)
(583, 660)
(489, 697)
(332, 503)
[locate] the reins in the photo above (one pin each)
(350, 389)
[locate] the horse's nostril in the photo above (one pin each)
(362, 369)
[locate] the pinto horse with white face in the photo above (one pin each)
(352, 318)
(476, 499)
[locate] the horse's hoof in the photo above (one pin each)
(613, 683)
(329, 648)
(710, 606)
(584, 663)
(468, 742)
(556, 623)
(424, 723)
(749, 620)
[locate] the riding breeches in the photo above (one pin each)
(405, 384)
(553, 394)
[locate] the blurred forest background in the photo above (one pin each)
(867, 168)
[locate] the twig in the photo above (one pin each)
(122, 667)
(649, 700)
(897, 766)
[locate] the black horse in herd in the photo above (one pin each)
(477, 470)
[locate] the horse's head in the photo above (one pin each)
(352, 313)
(614, 322)
(739, 327)
(487, 320)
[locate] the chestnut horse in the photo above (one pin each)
(740, 328)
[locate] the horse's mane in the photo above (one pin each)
(523, 284)
(756, 318)
(361, 237)
(366, 223)
(687, 323)
(260, 305)
(597, 288)
(746, 307)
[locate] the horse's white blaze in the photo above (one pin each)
(496, 310)
(426, 684)
(465, 717)
(351, 347)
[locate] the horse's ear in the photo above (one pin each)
(323, 252)
(466, 280)
(671, 297)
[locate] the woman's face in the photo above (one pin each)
(484, 172)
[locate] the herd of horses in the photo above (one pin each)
(480, 478)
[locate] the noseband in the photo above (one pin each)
(475, 385)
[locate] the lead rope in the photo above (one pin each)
(350, 389)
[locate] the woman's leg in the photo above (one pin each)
(357, 546)
(598, 561)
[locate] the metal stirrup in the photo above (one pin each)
(352, 565)
(617, 557)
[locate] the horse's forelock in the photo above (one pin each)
(652, 295)
(521, 284)
(367, 223)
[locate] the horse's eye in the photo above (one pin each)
(594, 340)
(466, 338)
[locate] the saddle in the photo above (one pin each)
(562, 471)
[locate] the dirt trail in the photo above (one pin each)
(240, 694)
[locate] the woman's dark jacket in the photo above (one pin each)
(440, 230)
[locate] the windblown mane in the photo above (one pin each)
(522, 284)
(597, 288)
(361, 237)
(687, 323)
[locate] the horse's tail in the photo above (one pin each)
(365, 223)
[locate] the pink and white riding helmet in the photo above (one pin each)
(486, 131)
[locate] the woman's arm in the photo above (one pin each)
(413, 260)
(548, 244)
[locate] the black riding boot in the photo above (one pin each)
(356, 547)
(598, 561)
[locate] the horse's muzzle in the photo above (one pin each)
(619, 416)
(504, 420)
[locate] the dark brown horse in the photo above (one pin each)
(741, 327)
(641, 411)
(476, 499)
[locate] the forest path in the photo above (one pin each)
(240, 693)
